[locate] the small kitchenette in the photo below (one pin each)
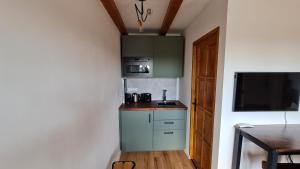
(151, 116)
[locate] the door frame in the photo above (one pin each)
(193, 87)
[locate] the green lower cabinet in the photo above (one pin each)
(136, 130)
(153, 130)
(169, 130)
(169, 140)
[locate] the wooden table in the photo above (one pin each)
(275, 139)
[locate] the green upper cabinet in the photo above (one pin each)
(168, 56)
(167, 52)
(137, 46)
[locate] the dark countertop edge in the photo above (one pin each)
(152, 106)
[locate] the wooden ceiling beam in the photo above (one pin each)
(173, 8)
(115, 15)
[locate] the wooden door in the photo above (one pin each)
(205, 60)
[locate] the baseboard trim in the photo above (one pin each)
(187, 153)
(114, 157)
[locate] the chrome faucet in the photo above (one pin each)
(164, 96)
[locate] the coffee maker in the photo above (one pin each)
(128, 98)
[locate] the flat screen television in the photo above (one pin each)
(266, 91)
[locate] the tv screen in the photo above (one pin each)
(266, 92)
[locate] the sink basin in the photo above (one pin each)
(166, 104)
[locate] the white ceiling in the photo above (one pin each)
(186, 14)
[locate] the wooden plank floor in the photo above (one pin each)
(159, 160)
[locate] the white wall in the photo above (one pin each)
(212, 16)
(155, 86)
(261, 36)
(60, 85)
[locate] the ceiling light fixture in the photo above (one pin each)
(140, 15)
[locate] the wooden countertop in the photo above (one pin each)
(152, 106)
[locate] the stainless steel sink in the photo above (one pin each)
(166, 104)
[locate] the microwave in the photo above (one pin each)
(137, 66)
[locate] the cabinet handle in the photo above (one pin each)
(169, 132)
(169, 122)
(149, 118)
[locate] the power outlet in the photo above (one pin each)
(132, 90)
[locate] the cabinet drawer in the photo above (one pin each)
(169, 140)
(169, 125)
(169, 115)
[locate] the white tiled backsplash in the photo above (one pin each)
(154, 86)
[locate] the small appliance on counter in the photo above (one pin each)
(145, 97)
(135, 97)
(128, 98)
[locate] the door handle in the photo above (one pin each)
(149, 118)
(194, 104)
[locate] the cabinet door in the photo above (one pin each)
(137, 46)
(168, 57)
(136, 130)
